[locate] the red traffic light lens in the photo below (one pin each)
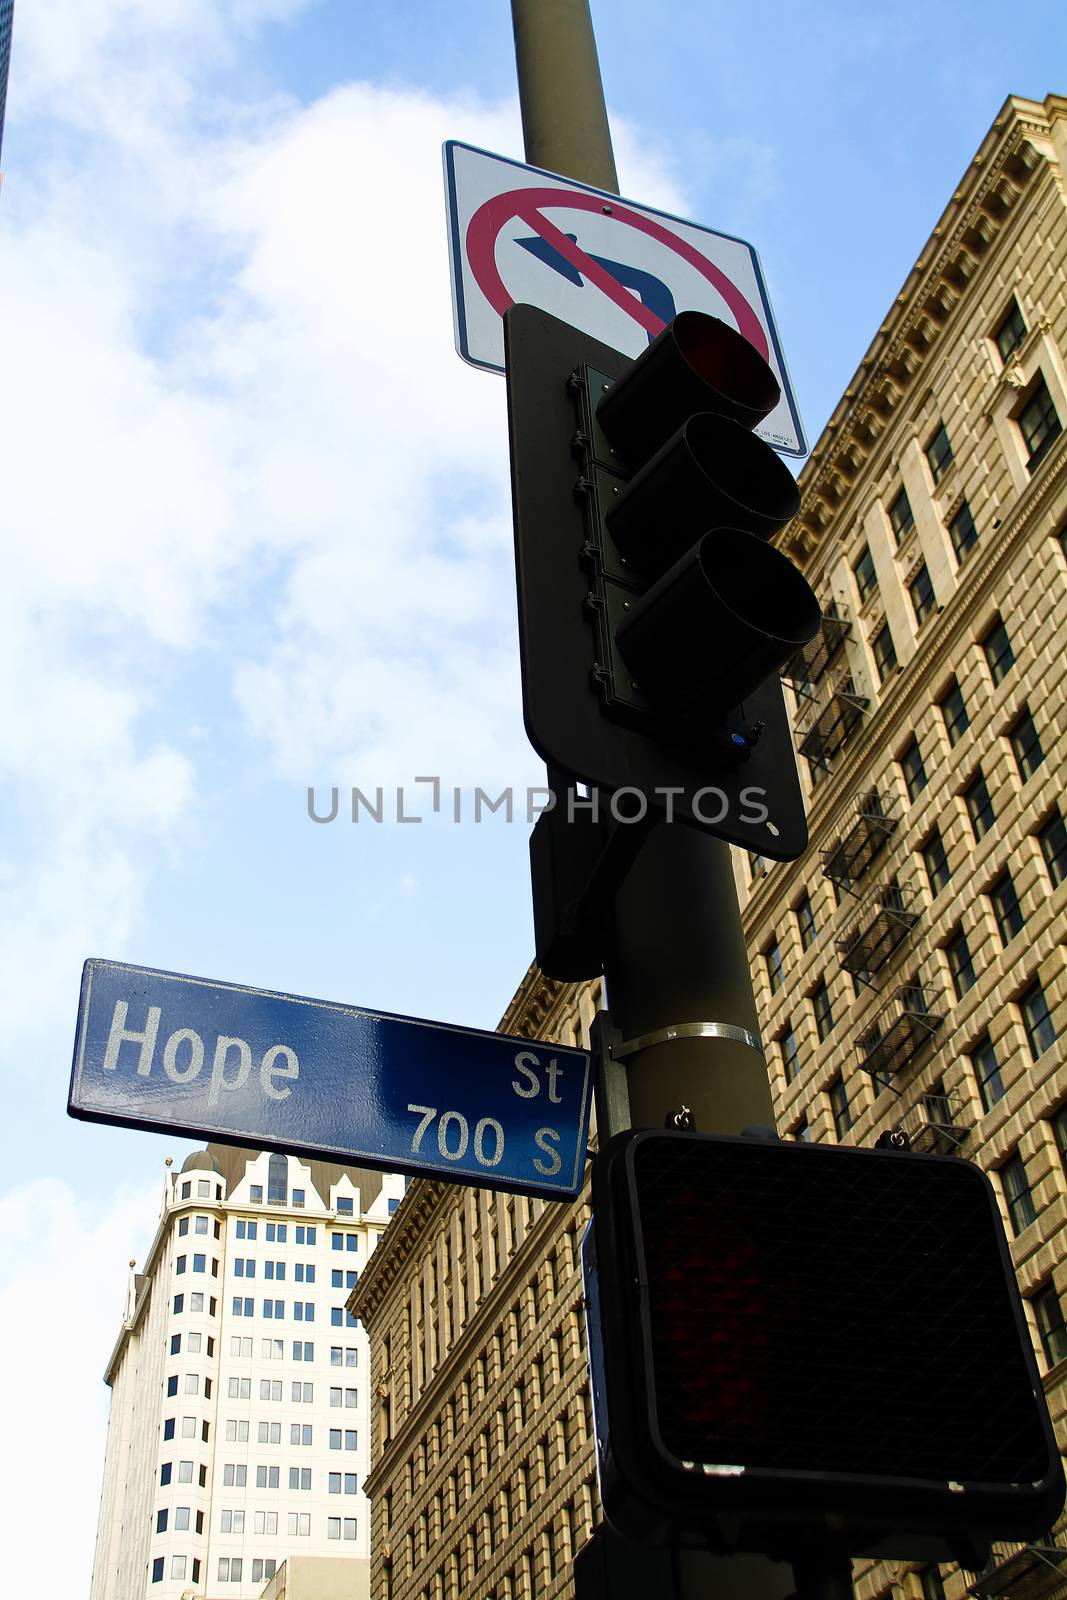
(696, 364)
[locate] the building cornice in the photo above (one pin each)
(399, 1241)
(1018, 145)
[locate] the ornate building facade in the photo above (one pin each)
(909, 968)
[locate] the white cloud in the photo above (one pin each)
(62, 1288)
(238, 445)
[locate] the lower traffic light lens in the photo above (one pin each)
(721, 621)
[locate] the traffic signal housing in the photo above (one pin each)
(653, 612)
(810, 1349)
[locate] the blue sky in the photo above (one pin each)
(255, 512)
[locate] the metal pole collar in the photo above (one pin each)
(688, 1030)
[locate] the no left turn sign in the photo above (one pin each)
(616, 270)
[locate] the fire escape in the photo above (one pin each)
(1023, 1571)
(936, 1125)
(829, 706)
(865, 832)
(900, 1034)
(880, 924)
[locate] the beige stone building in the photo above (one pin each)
(909, 969)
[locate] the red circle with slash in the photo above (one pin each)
(483, 230)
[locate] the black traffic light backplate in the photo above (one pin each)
(574, 704)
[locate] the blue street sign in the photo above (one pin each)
(278, 1071)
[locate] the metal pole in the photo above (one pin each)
(678, 955)
(564, 119)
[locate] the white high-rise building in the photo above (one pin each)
(240, 1409)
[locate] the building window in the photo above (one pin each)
(931, 1582)
(884, 651)
(822, 1010)
(986, 1071)
(911, 764)
(806, 922)
(1026, 746)
(1048, 1314)
(1059, 1129)
(935, 861)
(278, 1180)
(962, 532)
(773, 958)
(157, 1569)
(787, 1043)
(1053, 841)
(960, 964)
(1038, 423)
(864, 574)
(1000, 657)
(344, 1205)
(954, 713)
(921, 590)
(1006, 907)
(1037, 1020)
(840, 1107)
(1011, 332)
(939, 454)
(901, 519)
(979, 806)
(802, 1133)
(1020, 1201)
(255, 1194)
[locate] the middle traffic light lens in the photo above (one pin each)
(712, 473)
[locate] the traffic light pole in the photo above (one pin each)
(677, 956)
(678, 979)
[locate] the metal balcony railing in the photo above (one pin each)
(900, 1032)
(865, 831)
(1022, 1571)
(937, 1125)
(807, 665)
(881, 923)
(825, 720)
